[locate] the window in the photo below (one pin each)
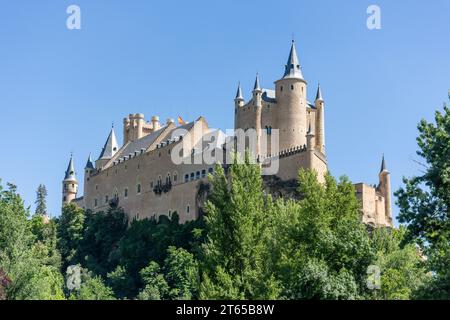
(138, 188)
(175, 177)
(170, 213)
(210, 170)
(186, 178)
(151, 185)
(188, 209)
(192, 176)
(281, 88)
(168, 178)
(73, 186)
(95, 202)
(65, 198)
(125, 193)
(203, 173)
(96, 187)
(197, 175)
(292, 87)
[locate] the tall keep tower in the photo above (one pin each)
(385, 189)
(290, 93)
(70, 184)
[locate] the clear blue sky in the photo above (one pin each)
(60, 90)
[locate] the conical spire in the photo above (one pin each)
(70, 172)
(239, 95)
(293, 69)
(89, 163)
(383, 165)
(257, 86)
(319, 94)
(111, 146)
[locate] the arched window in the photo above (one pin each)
(138, 188)
(168, 180)
(203, 173)
(192, 176)
(125, 193)
(197, 175)
(186, 177)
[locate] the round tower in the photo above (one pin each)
(291, 100)
(139, 130)
(320, 121)
(70, 184)
(385, 190)
(257, 106)
(238, 103)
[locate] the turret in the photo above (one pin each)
(70, 184)
(385, 189)
(155, 123)
(139, 126)
(257, 93)
(320, 121)
(126, 129)
(109, 150)
(291, 99)
(257, 107)
(239, 100)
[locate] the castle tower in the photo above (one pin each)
(109, 149)
(385, 189)
(70, 184)
(257, 106)
(290, 93)
(238, 103)
(320, 121)
(88, 170)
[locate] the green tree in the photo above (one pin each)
(319, 246)
(235, 264)
(402, 268)
(41, 200)
(155, 285)
(182, 274)
(121, 283)
(92, 288)
(70, 233)
(424, 202)
(26, 263)
(101, 235)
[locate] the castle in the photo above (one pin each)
(142, 174)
